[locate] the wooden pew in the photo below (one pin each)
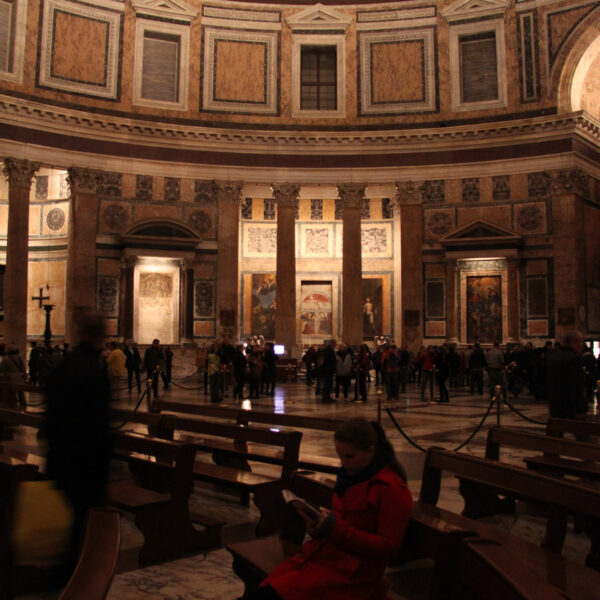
(559, 456)
(231, 447)
(560, 496)
(579, 427)
(159, 496)
(320, 464)
(96, 566)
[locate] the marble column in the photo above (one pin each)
(286, 196)
(352, 195)
(512, 309)
(451, 320)
(188, 308)
(127, 296)
(229, 195)
(81, 257)
(408, 201)
(19, 174)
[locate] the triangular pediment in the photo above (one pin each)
(481, 233)
(319, 17)
(468, 9)
(165, 9)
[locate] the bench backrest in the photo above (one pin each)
(514, 481)
(556, 427)
(245, 417)
(98, 559)
(173, 457)
(552, 446)
(241, 435)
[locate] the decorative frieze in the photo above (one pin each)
(172, 191)
(470, 189)
(204, 191)
(143, 187)
(501, 187)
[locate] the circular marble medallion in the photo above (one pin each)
(55, 219)
(439, 223)
(530, 218)
(200, 221)
(115, 216)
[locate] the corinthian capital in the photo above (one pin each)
(407, 192)
(19, 172)
(352, 194)
(286, 194)
(83, 181)
(229, 191)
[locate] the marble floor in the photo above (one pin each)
(207, 577)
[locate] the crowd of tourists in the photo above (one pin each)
(439, 370)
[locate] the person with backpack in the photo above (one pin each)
(390, 366)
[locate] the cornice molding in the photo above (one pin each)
(165, 9)
(41, 117)
(319, 18)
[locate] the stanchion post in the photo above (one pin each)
(379, 402)
(149, 392)
(432, 383)
(498, 400)
(505, 390)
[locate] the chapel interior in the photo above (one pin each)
(423, 172)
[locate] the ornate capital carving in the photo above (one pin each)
(83, 181)
(352, 194)
(229, 191)
(128, 261)
(19, 172)
(569, 181)
(407, 192)
(286, 194)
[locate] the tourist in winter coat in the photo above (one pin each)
(352, 543)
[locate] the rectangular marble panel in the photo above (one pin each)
(317, 241)
(204, 329)
(160, 67)
(259, 240)
(537, 327)
(435, 329)
(537, 297)
(6, 28)
(80, 46)
(204, 298)
(593, 307)
(435, 299)
(108, 295)
(479, 68)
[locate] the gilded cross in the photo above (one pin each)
(41, 297)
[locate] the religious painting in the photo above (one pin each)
(316, 316)
(264, 298)
(372, 307)
(484, 309)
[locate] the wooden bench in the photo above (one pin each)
(485, 478)
(320, 464)
(159, 496)
(231, 447)
(578, 427)
(98, 559)
(559, 456)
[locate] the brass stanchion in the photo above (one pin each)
(149, 393)
(498, 400)
(379, 403)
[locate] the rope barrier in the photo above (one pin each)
(142, 396)
(421, 449)
(186, 388)
(516, 410)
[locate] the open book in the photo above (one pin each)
(300, 505)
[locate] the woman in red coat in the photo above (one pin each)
(351, 544)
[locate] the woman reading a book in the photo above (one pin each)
(352, 543)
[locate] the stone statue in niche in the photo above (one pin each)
(372, 290)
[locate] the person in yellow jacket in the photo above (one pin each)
(115, 368)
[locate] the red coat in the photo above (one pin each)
(348, 564)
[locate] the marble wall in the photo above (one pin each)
(396, 64)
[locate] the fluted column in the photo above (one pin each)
(286, 196)
(512, 310)
(127, 296)
(81, 257)
(352, 195)
(228, 197)
(19, 174)
(451, 321)
(408, 199)
(188, 309)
